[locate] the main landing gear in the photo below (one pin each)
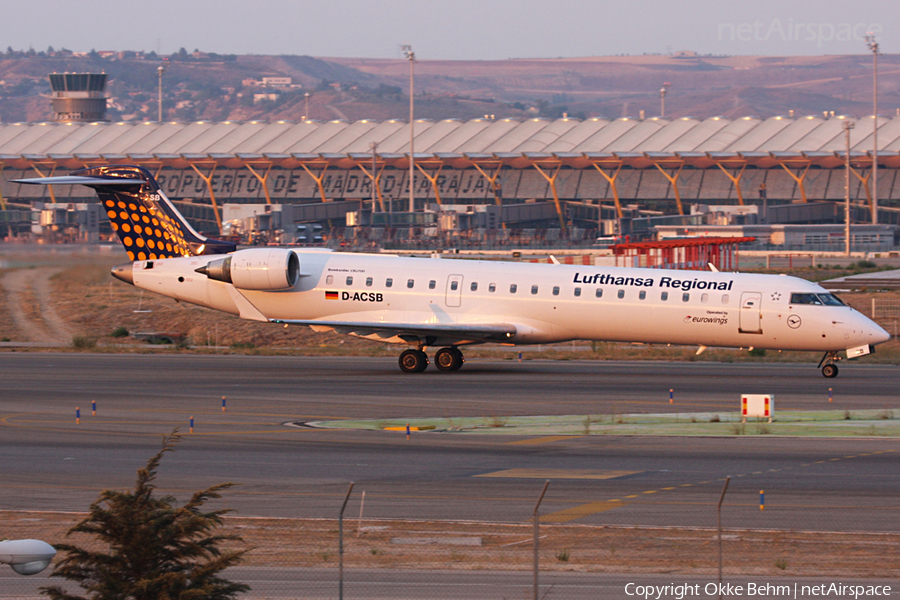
(449, 359)
(829, 369)
(445, 359)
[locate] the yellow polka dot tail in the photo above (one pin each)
(142, 216)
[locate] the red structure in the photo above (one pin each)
(681, 253)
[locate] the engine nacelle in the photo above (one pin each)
(263, 269)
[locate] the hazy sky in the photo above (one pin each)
(453, 29)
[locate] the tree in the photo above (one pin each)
(154, 549)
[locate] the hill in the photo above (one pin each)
(201, 86)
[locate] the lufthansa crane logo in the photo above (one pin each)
(793, 321)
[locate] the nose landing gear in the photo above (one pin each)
(829, 369)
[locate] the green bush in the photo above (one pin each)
(119, 332)
(147, 546)
(82, 342)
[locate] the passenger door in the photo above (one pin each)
(751, 312)
(454, 291)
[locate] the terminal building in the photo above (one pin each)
(483, 181)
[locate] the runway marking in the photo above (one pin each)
(586, 512)
(557, 474)
(543, 440)
(577, 512)
(90, 427)
(291, 416)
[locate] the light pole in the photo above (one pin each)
(873, 47)
(847, 127)
(159, 71)
(374, 147)
(411, 57)
(306, 106)
(662, 98)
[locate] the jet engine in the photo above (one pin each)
(263, 269)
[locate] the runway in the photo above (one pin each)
(48, 462)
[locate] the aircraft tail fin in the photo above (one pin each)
(146, 221)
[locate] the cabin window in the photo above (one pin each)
(556, 290)
(474, 286)
(454, 285)
(492, 287)
(642, 295)
(410, 283)
(664, 296)
(350, 280)
(329, 280)
(577, 292)
(704, 298)
(598, 292)
(432, 284)
(685, 297)
(512, 288)
(388, 282)
(725, 298)
(368, 282)
(620, 294)
(534, 289)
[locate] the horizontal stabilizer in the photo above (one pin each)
(147, 223)
(76, 180)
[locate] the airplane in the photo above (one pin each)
(448, 304)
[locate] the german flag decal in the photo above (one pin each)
(332, 296)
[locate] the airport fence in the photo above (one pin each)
(886, 312)
(554, 558)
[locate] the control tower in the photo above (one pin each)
(78, 96)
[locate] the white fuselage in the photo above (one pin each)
(543, 303)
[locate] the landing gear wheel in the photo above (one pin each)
(413, 361)
(448, 359)
(830, 371)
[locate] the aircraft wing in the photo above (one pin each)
(431, 334)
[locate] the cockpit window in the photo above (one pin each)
(798, 298)
(831, 300)
(816, 299)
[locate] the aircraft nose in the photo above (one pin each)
(879, 334)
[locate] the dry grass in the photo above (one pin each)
(313, 542)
